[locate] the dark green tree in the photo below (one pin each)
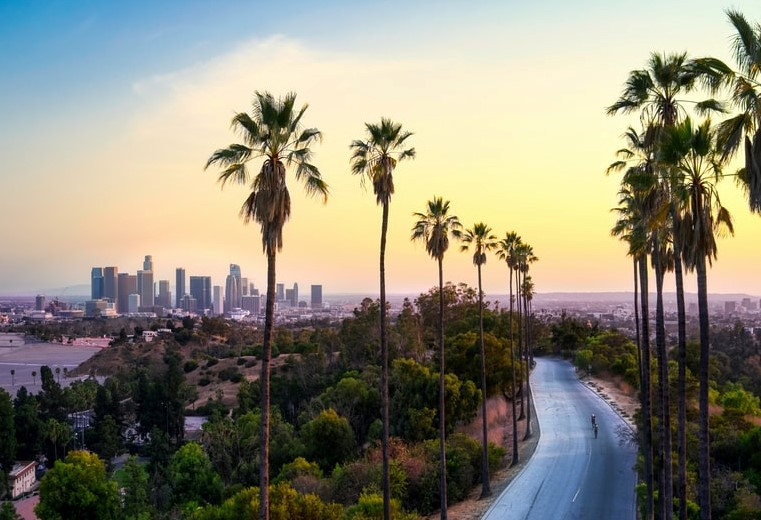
(136, 491)
(328, 439)
(28, 425)
(7, 433)
(192, 478)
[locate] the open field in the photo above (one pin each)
(30, 357)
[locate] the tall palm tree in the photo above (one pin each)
(525, 256)
(272, 132)
(506, 251)
(638, 205)
(695, 157)
(656, 92)
(745, 96)
(481, 240)
(434, 228)
(375, 159)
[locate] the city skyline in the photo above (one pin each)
(150, 93)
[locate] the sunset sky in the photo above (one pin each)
(109, 110)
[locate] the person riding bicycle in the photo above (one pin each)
(594, 420)
(595, 430)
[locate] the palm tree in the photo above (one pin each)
(656, 92)
(638, 200)
(745, 96)
(34, 377)
(374, 159)
(13, 377)
(695, 156)
(274, 133)
(480, 238)
(525, 257)
(434, 227)
(506, 251)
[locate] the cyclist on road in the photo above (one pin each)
(594, 420)
(595, 430)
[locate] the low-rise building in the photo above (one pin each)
(21, 478)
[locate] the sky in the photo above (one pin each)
(109, 111)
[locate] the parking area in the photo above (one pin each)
(27, 359)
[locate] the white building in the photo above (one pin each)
(134, 303)
(21, 478)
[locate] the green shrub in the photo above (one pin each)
(189, 366)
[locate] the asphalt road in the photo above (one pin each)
(572, 474)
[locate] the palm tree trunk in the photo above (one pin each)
(512, 383)
(636, 322)
(665, 491)
(485, 484)
(647, 429)
(527, 350)
(264, 449)
(520, 338)
(442, 395)
(384, 370)
(681, 436)
(704, 462)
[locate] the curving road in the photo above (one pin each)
(571, 474)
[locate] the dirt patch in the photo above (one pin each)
(619, 394)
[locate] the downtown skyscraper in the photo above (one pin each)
(180, 286)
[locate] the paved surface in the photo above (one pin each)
(30, 357)
(572, 474)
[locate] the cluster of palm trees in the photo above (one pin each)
(670, 214)
(274, 133)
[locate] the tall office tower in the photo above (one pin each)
(145, 288)
(317, 296)
(295, 295)
(200, 289)
(218, 309)
(165, 297)
(96, 283)
(148, 263)
(288, 297)
(232, 293)
(180, 286)
(127, 285)
(243, 287)
(251, 304)
(252, 290)
(235, 271)
(133, 306)
(111, 284)
(39, 302)
(279, 292)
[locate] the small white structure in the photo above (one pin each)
(21, 478)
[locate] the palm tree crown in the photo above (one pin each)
(481, 239)
(376, 158)
(434, 227)
(273, 131)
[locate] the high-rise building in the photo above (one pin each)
(317, 296)
(252, 290)
(218, 309)
(295, 295)
(148, 263)
(251, 304)
(288, 301)
(145, 288)
(200, 289)
(180, 286)
(244, 287)
(232, 293)
(127, 285)
(279, 292)
(111, 284)
(188, 303)
(165, 297)
(39, 302)
(96, 283)
(134, 303)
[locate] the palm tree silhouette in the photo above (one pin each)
(374, 160)
(481, 240)
(434, 228)
(272, 132)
